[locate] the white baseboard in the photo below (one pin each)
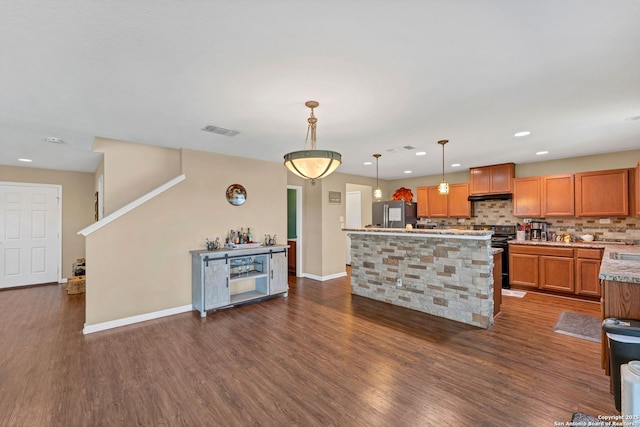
(324, 278)
(88, 329)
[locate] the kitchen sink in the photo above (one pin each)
(625, 256)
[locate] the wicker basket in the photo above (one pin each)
(75, 285)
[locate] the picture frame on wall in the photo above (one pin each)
(335, 197)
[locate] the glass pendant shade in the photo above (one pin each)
(377, 193)
(443, 187)
(312, 164)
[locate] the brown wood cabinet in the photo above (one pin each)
(497, 283)
(542, 267)
(456, 204)
(558, 196)
(292, 267)
(437, 203)
(524, 268)
(493, 179)
(636, 192)
(619, 299)
(557, 273)
(423, 202)
(602, 193)
(587, 270)
(544, 196)
(527, 196)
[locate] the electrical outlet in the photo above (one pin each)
(428, 220)
(461, 220)
(398, 281)
(527, 220)
(605, 220)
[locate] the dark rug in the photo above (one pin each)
(579, 326)
(581, 419)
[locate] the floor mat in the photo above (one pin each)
(579, 326)
(513, 293)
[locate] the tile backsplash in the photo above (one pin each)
(500, 212)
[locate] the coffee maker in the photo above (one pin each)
(538, 230)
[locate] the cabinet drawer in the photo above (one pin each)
(541, 250)
(589, 253)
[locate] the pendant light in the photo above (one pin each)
(443, 187)
(377, 193)
(312, 164)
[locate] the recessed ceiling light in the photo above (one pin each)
(455, 165)
(421, 153)
(367, 163)
(540, 153)
(25, 160)
(522, 133)
(54, 140)
(408, 171)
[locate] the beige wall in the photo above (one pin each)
(132, 170)
(620, 160)
(77, 205)
(140, 263)
(366, 199)
(324, 242)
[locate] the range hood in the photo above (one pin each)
(481, 197)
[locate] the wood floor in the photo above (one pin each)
(320, 357)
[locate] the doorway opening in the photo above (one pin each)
(294, 229)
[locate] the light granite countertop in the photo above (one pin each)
(418, 232)
(611, 268)
(238, 252)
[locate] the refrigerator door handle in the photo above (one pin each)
(385, 218)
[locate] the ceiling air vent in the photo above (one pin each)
(401, 148)
(220, 131)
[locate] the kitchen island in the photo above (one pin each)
(444, 272)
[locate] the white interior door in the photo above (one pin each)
(353, 212)
(29, 234)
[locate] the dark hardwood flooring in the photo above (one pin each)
(320, 357)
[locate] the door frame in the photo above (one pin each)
(347, 214)
(58, 187)
(298, 254)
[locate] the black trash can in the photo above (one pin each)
(624, 346)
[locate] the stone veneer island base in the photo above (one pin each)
(446, 273)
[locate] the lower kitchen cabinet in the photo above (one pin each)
(587, 270)
(227, 277)
(523, 269)
(542, 267)
(556, 273)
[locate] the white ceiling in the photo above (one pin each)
(387, 74)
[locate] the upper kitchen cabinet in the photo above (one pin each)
(544, 196)
(527, 196)
(437, 203)
(602, 193)
(637, 190)
(423, 202)
(494, 179)
(456, 204)
(558, 196)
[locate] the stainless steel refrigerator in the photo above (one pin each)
(394, 214)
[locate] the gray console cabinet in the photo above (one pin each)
(227, 277)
